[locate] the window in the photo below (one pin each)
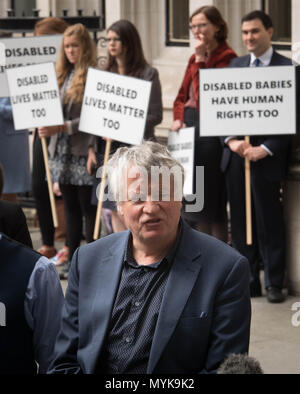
(177, 22)
(280, 11)
(23, 7)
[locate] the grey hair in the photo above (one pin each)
(147, 156)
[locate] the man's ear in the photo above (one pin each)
(120, 209)
(270, 32)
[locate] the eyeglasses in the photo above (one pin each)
(198, 27)
(113, 39)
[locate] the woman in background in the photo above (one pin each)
(46, 26)
(211, 51)
(68, 146)
(126, 57)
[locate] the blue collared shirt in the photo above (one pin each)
(42, 306)
(265, 58)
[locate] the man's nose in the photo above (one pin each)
(150, 206)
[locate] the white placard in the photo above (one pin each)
(248, 101)
(25, 51)
(181, 144)
(35, 96)
(115, 106)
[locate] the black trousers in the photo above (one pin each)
(77, 200)
(267, 220)
(41, 194)
(208, 153)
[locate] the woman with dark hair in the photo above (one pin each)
(68, 146)
(211, 51)
(126, 57)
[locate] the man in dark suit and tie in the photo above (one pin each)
(268, 156)
(160, 297)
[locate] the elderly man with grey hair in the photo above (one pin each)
(160, 297)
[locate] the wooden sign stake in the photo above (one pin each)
(102, 188)
(248, 198)
(49, 181)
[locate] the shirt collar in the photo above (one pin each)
(129, 259)
(265, 58)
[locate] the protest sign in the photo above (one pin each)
(248, 101)
(115, 106)
(35, 96)
(181, 145)
(26, 51)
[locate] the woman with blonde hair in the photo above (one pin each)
(68, 147)
(47, 26)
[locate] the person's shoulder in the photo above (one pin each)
(43, 264)
(224, 49)
(104, 244)
(8, 207)
(215, 253)
(149, 72)
(23, 252)
(240, 61)
(278, 58)
(210, 243)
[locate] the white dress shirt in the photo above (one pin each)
(265, 60)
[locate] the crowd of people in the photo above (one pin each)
(164, 293)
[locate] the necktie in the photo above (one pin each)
(256, 62)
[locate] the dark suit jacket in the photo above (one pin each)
(154, 114)
(274, 167)
(204, 315)
(13, 223)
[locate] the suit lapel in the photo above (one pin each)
(246, 61)
(182, 278)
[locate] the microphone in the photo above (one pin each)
(240, 364)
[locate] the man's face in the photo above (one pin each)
(150, 221)
(256, 38)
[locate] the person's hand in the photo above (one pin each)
(91, 162)
(200, 48)
(255, 153)
(177, 125)
(56, 189)
(238, 146)
(50, 130)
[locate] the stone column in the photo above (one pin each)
(4, 5)
(292, 187)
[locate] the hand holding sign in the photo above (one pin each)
(239, 146)
(51, 130)
(255, 153)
